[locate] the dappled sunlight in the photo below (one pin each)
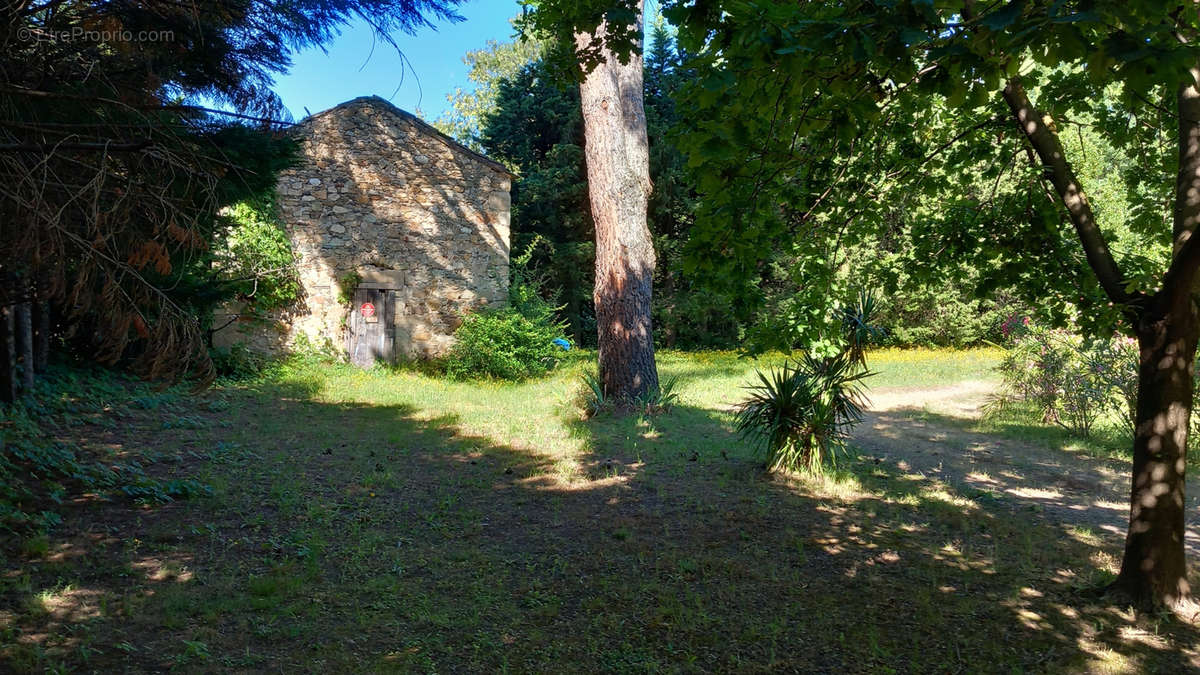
(1061, 487)
(1134, 634)
(1106, 660)
(1111, 639)
(67, 604)
(888, 557)
(981, 477)
(838, 487)
(943, 495)
(1084, 535)
(572, 476)
(48, 614)
(63, 551)
(482, 524)
(1034, 493)
(164, 570)
(1032, 620)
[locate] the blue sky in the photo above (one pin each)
(320, 80)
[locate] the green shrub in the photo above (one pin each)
(237, 362)
(1074, 383)
(503, 344)
(802, 413)
(347, 285)
(925, 318)
(254, 255)
(595, 402)
(513, 343)
(592, 397)
(858, 327)
(315, 350)
(663, 399)
(529, 291)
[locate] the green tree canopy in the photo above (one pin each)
(488, 67)
(816, 119)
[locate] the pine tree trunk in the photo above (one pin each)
(618, 168)
(1153, 570)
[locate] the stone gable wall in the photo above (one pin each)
(378, 191)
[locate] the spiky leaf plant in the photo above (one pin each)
(802, 413)
(858, 331)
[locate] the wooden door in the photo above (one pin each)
(372, 336)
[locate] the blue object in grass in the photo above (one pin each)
(561, 342)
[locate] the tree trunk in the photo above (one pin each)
(8, 357)
(618, 168)
(24, 343)
(1153, 570)
(41, 335)
(1186, 213)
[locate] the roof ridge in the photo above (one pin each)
(421, 124)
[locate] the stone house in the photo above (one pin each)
(388, 211)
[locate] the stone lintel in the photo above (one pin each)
(373, 277)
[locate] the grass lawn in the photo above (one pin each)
(389, 521)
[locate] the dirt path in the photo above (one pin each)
(1058, 485)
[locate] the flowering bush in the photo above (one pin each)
(1086, 394)
(1074, 382)
(1036, 369)
(1115, 363)
(1015, 327)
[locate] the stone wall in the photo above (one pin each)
(381, 193)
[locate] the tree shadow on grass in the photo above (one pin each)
(941, 552)
(1027, 466)
(349, 537)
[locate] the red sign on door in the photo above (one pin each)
(367, 309)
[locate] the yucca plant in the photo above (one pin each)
(662, 399)
(802, 413)
(659, 401)
(593, 398)
(857, 329)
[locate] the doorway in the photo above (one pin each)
(372, 327)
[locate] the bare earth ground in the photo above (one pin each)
(914, 430)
